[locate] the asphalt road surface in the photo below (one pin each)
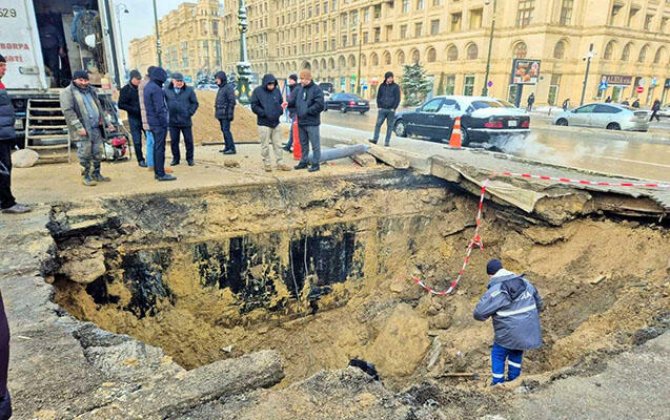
(593, 149)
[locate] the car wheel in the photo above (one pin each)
(613, 126)
(562, 122)
(343, 109)
(400, 129)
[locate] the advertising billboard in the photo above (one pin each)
(525, 71)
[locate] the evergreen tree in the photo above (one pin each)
(415, 85)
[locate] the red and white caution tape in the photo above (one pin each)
(476, 240)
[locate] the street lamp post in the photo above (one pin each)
(485, 89)
(243, 66)
(360, 54)
(119, 8)
(589, 56)
(158, 37)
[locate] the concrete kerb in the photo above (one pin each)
(629, 136)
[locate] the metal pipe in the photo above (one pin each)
(123, 49)
(586, 75)
(158, 36)
(110, 31)
(485, 89)
(360, 53)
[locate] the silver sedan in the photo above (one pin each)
(605, 115)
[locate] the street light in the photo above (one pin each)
(243, 67)
(121, 7)
(588, 58)
(158, 36)
(485, 89)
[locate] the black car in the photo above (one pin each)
(348, 102)
(482, 118)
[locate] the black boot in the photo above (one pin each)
(86, 178)
(97, 176)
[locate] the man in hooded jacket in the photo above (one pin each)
(157, 118)
(268, 105)
(515, 305)
(129, 101)
(145, 125)
(225, 110)
(388, 100)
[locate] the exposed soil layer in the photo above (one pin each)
(320, 272)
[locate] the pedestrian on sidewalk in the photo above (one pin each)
(531, 101)
(388, 100)
(145, 124)
(157, 118)
(225, 111)
(566, 104)
(8, 203)
(608, 100)
(182, 104)
(291, 85)
(636, 103)
(308, 104)
(85, 119)
(654, 111)
(129, 101)
(268, 105)
(514, 305)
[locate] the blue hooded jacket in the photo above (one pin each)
(514, 304)
(154, 99)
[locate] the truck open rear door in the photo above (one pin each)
(20, 44)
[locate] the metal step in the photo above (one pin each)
(55, 146)
(47, 117)
(47, 136)
(40, 109)
(48, 127)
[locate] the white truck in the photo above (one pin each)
(44, 42)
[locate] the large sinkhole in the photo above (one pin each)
(319, 270)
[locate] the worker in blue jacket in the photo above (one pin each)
(515, 305)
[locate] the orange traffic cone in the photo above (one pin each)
(456, 139)
(297, 152)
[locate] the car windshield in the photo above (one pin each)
(351, 97)
(486, 104)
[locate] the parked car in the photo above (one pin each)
(664, 111)
(482, 118)
(210, 86)
(346, 102)
(327, 87)
(605, 115)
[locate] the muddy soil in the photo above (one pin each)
(321, 274)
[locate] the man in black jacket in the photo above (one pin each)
(225, 110)
(268, 105)
(129, 101)
(388, 100)
(182, 104)
(7, 136)
(308, 103)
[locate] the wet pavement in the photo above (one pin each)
(638, 155)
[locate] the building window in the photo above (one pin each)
(403, 31)
(431, 55)
(456, 21)
(647, 22)
(215, 28)
(631, 16)
(472, 52)
(625, 54)
(377, 11)
(354, 39)
(344, 40)
(469, 85)
(419, 4)
(609, 51)
(476, 18)
(374, 59)
(566, 12)
(400, 57)
(520, 50)
(450, 85)
(378, 32)
(387, 58)
(415, 57)
(452, 53)
(418, 28)
(389, 32)
(615, 11)
(405, 6)
(524, 14)
(643, 54)
(559, 50)
(365, 38)
(437, 3)
(366, 15)
(435, 27)
(660, 53)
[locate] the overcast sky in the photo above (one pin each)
(139, 21)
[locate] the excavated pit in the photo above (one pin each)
(320, 271)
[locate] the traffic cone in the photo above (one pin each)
(297, 152)
(456, 139)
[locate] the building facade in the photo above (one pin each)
(338, 39)
(191, 41)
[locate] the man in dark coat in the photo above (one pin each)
(636, 103)
(291, 85)
(514, 305)
(53, 47)
(268, 105)
(308, 104)
(182, 104)
(531, 101)
(157, 118)
(129, 101)
(388, 100)
(654, 111)
(225, 110)
(7, 136)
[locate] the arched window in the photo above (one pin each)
(520, 50)
(341, 62)
(352, 61)
(660, 54)
(400, 57)
(364, 61)
(643, 54)
(331, 63)
(374, 59)
(387, 58)
(452, 53)
(431, 55)
(315, 64)
(609, 51)
(472, 51)
(559, 50)
(306, 65)
(415, 56)
(323, 64)
(625, 54)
